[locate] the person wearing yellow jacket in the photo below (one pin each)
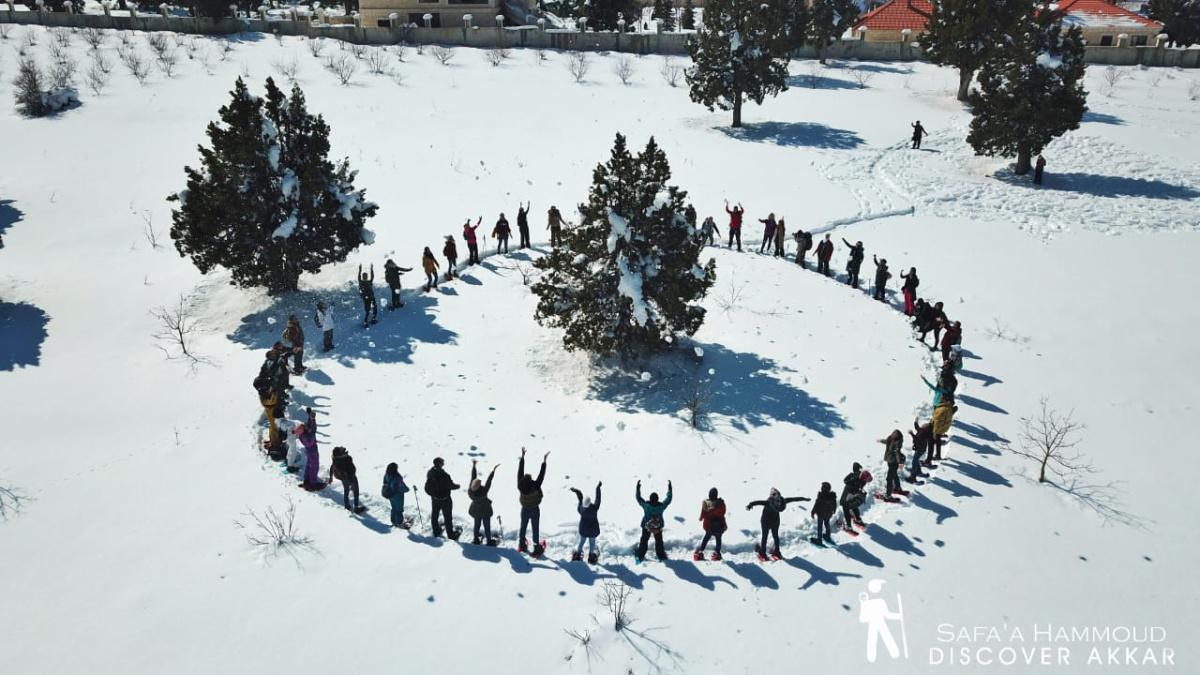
(943, 417)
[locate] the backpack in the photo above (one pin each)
(429, 485)
(654, 524)
(387, 490)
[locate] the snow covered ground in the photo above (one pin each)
(124, 557)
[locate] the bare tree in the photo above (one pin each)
(102, 62)
(343, 67)
(316, 47)
(94, 37)
(400, 51)
(525, 270)
(359, 51)
(397, 76)
(578, 65)
(11, 501)
(31, 36)
(274, 532)
(96, 77)
(287, 67)
(159, 43)
(493, 56)
(812, 74)
(614, 595)
(148, 230)
(377, 61)
(671, 71)
(1048, 438)
(624, 69)
(862, 76)
(191, 46)
(125, 38)
(442, 53)
(1113, 75)
(135, 64)
(62, 73)
(176, 327)
(57, 51)
(61, 36)
(167, 62)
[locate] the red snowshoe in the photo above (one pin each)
(776, 555)
(882, 497)
(902, 493)
(576, 556)
(715, 556)
(697, 555)
(850, 531)
(762, 557)
(539, 549)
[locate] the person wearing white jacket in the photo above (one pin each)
(324, 319)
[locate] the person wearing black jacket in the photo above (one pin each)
(853, 497)
(824, 254)
(824, 506)
(803, 244)
(342, 468)
(772, 506)
(450, 250)
(922, 441)
(391, 274)
(589, 524)
(481, 505)
(893, 457)
(438, 486)
(531, 500)
(523, 224)
(911, 282)
(366, 289)
(855, 263)
(881, 276)
(501, 233)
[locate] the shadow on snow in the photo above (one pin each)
(795, 135)
(22, 332)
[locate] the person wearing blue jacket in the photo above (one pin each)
(652, 522)
(393, 491)
(938, 391)
(589, 524)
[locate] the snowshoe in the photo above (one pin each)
(539, 549)
(576, 556)
(715, 556)
(697, 555)
(405, 524)
(293, 469)
(477, 540)
(828, 539)
(314, 487)
(762, 557)
(593, 558)
(850, 531)
(454, 534)
(902, 493)
(776, 555)
(816, 541)
(359, 510)
(374, 321)
(493, 542)
(886, 498)
(523, 546)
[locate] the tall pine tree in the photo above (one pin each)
(266, 202)
(1031, 91)
(964, 33)
(687, 19)
(627, 279)
(828, 20)
(740, 53)
(1180, 19)
(604, 14)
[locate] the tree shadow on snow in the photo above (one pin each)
(806, 81)
(22, 332)
(744, 387)
(1103, 186)
(795, 135)
(392, 340)
(1102, 118)
(9, 215)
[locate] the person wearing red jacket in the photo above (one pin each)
(952, 336)
(735, 224)
(469, 237)
(712, 515)
(824, 254)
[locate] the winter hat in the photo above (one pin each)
(857, 466)
(866, 476)
(775, 492)
(438, 461)
(826, 487)
(712, 493)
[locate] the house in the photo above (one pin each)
(886, 22)
(442, 13)
(1101, 22)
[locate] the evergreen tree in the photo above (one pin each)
(828, 20)
(796, 21)
(627, 279)
(668, 19)
(687, 20)
(740, 53)
(604, 14)
(266, 202)
(963, 33)
(28, 89)
(1031, 91)
(1180, 19)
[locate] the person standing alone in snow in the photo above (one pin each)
(391, 275)
(1038, 169)
(393, 491)
(589, 524)
(772, 506)
(530, 489)
(910, 290)
(918, 133)
(881, 276)
(855, 263)
(430, 264)
(824, 254)
(481, 505)
(451, 253)
(523, 224)
(735, 224)
(366, 288)
(501, 232)
(324, 320)
(342, 468)
(438, 486)
(652, 522)
(768, 231)
(469, 237)
(824, 506)
(712, 516)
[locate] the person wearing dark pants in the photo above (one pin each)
(1038, 169)
(772, 506)
(391, 275)
(589, 524)
(824, 506)
(342, 468)
(712, 515)
(523, 224)
(768, 232)
(501, 232)
(735, 224)
(481, 505)
(853, 497)
(855, 263)
(530, 490)
(366, 288)
(652, 522)
(451, 253)
(438, 486)
(472, 243)
(554, 224)
(824, 254)
(893, 457)
(881, 276)
(922, 439)
(324, 319)
(917, 134)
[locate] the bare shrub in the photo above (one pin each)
(343, 67)
(5, 30)
(168, 62)
(359, 51)
(191, 46)
(578, 65)
(316, 47)
(400, 52)
(96, 78)
(274, 532)
(624, 69)
(1156, 77)
(61, 37)
(671, 71)
(539, 55)
(526, 271)
(377, 62)
(812, 74)
(12, 501)
(614, 596)
(176, 327)
(31, 36)
(861, 76)
(125, 38)
(135, 64)
(102, 62)
(1048, 438)
(287, 67)
(1193, 90)
(397, 77)
(442, 53)
(57, 52)
(226, 49)
(94, 37)
(159, 43)
(493, 56)
(206, 61)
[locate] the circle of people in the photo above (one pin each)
(302, 457)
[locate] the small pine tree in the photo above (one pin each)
(1031, 91)
(627, 279)
(28, 89)
(964, 33)
(740, 53)
(687, 20)
(266, 203)
(1180, 19)
(828, 20)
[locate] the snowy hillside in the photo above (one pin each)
(124, 556)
